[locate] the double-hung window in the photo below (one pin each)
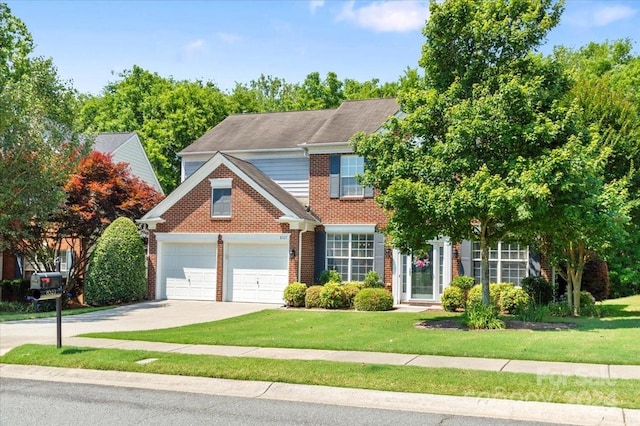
(343, 173)
(350, 254)
(507, 263)
(220, 198)
(350, 167)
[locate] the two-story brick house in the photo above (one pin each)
(268, 199)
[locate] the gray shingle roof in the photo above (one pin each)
(109, 142)
(353, 117)
(271, 187)
(281, 130)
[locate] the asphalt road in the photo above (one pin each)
(32, 402)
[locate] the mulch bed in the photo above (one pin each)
(453, 324)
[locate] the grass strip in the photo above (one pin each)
(443, 381)
(595, 340)
(20, 316)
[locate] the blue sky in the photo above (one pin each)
(235, 41)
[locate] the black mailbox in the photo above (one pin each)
(46, 285)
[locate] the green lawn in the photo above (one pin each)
(610, 340)
(18, 316)
(444, 381)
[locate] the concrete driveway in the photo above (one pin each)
(140, 316)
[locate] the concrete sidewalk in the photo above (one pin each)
(160, 314)
(599, 371)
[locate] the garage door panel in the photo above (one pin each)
(189, 271)
(258, 272)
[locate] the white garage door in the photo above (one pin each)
(258, 272)
(189, 270)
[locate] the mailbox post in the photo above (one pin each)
(46, 286)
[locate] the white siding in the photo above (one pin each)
(132, 152)
(292, 174)
(190, 167)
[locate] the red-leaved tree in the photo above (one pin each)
(97, 193)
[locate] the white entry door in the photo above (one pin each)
(422, 277)
(257, 272)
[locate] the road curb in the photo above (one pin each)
(440, 404)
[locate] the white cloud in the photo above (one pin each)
(228, 38)
(315, 5)
(600, 16)
(387, 16)
(609, 14)
(190, 49)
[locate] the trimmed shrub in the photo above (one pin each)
(482, 317)
(373, 280)
(539, 290)
(312, 297)
(330, 275)
(294, 294)
(474, 296)
(463, 282)
(332, 296)
(514, 300)
(452, 299)
(373, 299)
(116, 270)
(350, 290)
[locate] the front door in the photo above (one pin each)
(423, 276)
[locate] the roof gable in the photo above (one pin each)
(271, 191)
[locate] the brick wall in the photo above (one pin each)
(250, 213)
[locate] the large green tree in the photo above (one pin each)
(606, 77)
(37, 148)
(168, 115)
(458, 163)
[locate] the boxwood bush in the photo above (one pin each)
(330, 275)
(452, 299)
(373, 280)
(373, 299)
(116, 270)
(312, 297)
(514, 299)
(351, 288)
(332, 296)
(294, 294)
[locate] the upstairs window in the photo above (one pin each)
(220, 197)
(343, 181)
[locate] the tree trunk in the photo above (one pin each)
(484, 265)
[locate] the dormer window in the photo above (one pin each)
(220, 198)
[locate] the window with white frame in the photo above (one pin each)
(350, 167)
(507, 263)
(350, 254)
(220, 197)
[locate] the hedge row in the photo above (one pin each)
(334, 295)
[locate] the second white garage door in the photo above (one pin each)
(257, 272)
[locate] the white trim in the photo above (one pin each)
(222, 183)
(350, 228)
(255, 238)
(183, 154)
(327, 148)
(186, 237)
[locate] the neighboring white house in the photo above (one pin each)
(127, 148)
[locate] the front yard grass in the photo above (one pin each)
(443, 381)
(610, 340)
(19, 316)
